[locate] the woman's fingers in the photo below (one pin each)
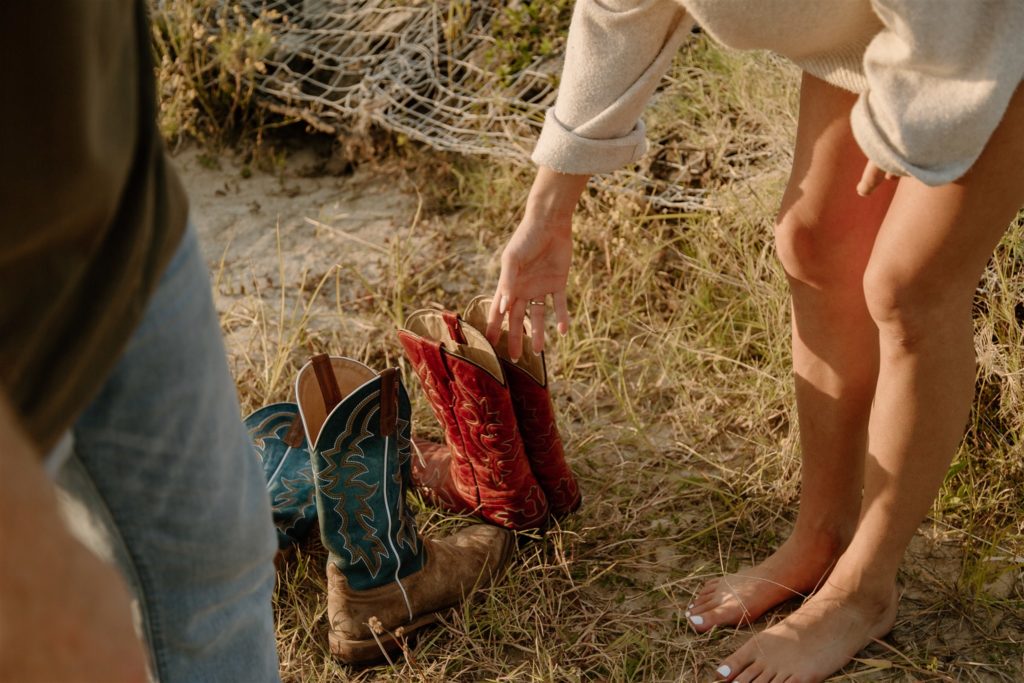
(494, 317)
(516, 313)
(561, 311)
(537, 324)
(870, 179)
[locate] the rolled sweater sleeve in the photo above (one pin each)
(616, 54)
(940, 76)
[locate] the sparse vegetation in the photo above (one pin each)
(525, 31)
(674, 394)
(205, 75)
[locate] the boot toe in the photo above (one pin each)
(485, 545)
(474, 556)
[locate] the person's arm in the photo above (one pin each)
(616, 54)
(940, 75)
(64, 614)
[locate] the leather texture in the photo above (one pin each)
(432, 475)
(535, 413)
(535, 416)
(428, 363)
(361, 479)
(383, 579)
(454, 567)
(464, 384)
(287, 470)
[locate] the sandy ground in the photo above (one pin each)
(323, 221)
(271, 239)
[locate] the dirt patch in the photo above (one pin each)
(298, 249)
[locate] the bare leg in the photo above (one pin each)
(927, 259)
(824, 236)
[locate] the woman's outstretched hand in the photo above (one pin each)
(535, 262)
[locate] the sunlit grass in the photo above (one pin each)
(675, 399)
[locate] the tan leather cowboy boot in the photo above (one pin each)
(384, 581)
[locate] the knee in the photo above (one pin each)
(908, 308)
(811, 255)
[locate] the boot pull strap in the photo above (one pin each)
(454, 327)
(388, 401)
(324, 372)
(295, 433)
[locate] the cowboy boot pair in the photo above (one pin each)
(382, 577)
(504, 459)
(535, 413)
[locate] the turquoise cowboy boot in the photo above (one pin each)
(379, 570)
(276, 433)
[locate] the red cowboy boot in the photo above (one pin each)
(488, 472)
(531, 399)
(432, 466)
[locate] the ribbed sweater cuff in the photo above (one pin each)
(566, 152)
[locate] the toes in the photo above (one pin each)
(750, 674)
(698, 622)
(706, 591)
(737, 662)
(708, 588)
(767, 676)
(704, 616)
(703, 601)
(718, 604)
(697, 614)
(730, 613)
(702, 606)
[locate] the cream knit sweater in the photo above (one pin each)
(933, 76)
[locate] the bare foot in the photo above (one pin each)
(815, 641)
(794, 570)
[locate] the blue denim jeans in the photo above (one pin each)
(161, 474)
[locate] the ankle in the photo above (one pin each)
(869, 585)
(823, 539)
(872, 598)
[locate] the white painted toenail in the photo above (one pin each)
(697, 619)
(724, 671)
(690, 606)
(686, 613)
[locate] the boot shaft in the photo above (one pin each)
(425, 353)
(358, 423)
(278, 438)
(466, 386)
(535, 414)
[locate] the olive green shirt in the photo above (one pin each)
(91, 209)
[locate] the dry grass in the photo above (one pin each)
(674, 395)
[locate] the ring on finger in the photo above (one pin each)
(537, 302)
